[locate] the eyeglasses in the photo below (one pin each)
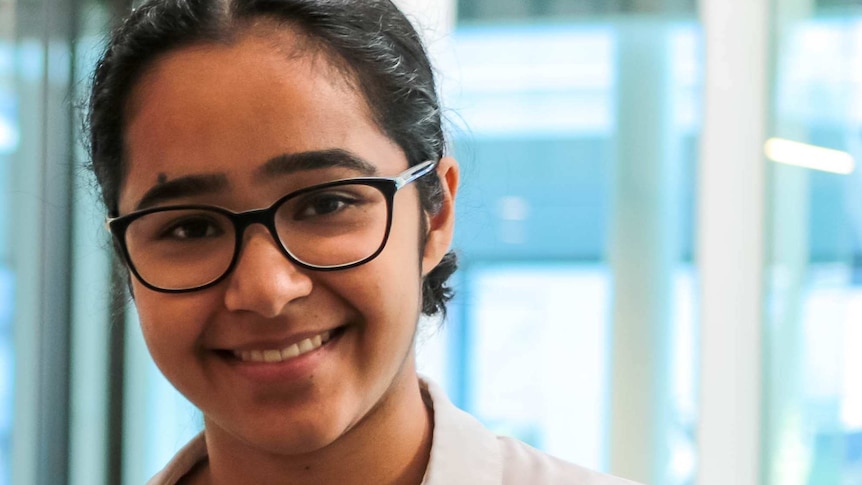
(325, 227)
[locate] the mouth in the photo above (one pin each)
(292, 351)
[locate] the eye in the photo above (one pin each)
(196, 227)
(325, 203)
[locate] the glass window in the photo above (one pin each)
(8, 145)
(813, 424)
(577, 131)
(494, 10)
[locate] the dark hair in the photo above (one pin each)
(369, 41)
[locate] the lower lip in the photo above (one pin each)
(291, 369)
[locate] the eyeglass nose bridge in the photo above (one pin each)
(265, 217)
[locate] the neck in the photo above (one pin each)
(390, 445)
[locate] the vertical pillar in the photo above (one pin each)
(42, 248)
(730, 245)
(643, 253)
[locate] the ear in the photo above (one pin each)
(441, 226)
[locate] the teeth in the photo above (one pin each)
(305, 346)
(279, 355)
(290, 352)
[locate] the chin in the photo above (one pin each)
(291, 437)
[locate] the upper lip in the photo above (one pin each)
(280, 343)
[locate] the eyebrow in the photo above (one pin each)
(205, 184)
(313, 160)
(189, 185)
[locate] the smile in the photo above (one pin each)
(280, 355)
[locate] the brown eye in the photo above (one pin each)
(324, 204)
(192, 228)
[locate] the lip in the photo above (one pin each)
(291, 369)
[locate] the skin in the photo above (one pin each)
(352, 412)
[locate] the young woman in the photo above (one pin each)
(276, 183)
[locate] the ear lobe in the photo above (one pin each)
(441, 225)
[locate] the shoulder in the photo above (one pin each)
(463, 452)
(525, 464)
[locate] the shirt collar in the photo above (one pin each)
(462, 450)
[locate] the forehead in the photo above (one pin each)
(273, 53)
(231, 107)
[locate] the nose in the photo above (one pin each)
(264, 281)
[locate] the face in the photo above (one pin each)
(204, 126)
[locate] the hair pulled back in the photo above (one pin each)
(370, 42)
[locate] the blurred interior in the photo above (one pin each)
(606, 220)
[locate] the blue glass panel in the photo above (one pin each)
(814, 396)
(537, 137)
(8, 144)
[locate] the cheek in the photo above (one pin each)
(385, 291)
(397, 285)
(170, 322)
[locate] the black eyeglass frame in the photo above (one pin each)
(388, 186)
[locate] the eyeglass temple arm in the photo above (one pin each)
(414, 173)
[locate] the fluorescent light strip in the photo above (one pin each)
(809, 156)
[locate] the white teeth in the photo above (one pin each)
(289, 352)
(271, 355)
(305, 346)
(276, 355)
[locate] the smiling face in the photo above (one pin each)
(278, 358)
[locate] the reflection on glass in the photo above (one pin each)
(813, 425)
(539, 358)
(540, 134)
(485, 10)
(8, 144)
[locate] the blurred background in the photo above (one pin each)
(660, 233)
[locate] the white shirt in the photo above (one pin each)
(463, 452)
